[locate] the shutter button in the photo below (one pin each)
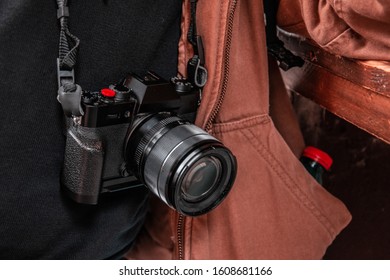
(107, 92)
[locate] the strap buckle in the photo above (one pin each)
(69, 93)
(62, 11)
(285, 58)
(64, 76)
(69, 96)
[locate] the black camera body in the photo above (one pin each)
(140, 132)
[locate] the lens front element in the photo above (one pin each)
(201, 178)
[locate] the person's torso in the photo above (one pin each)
(117, 37)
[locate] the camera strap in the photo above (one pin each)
(68, 46)
(69, 93)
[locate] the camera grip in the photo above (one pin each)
(83, 165)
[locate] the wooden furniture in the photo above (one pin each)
(357, 91)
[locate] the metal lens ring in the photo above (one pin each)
(183, 165)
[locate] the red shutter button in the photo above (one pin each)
(107, 92)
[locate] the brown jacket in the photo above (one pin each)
(275, 210)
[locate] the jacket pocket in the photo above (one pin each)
(275, 210)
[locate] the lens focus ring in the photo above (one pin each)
(151, 135)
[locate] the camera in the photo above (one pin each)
(141, 133)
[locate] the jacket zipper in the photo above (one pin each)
(226, 64)
(180, 237)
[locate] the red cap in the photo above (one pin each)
(107, 92)
(319, 156)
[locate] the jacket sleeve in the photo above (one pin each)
(358, 29)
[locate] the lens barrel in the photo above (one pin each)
(183, 165)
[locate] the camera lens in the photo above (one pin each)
(186, 167)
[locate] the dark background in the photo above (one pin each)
(360, 177)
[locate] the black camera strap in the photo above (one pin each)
(68, 45)
(69, 93)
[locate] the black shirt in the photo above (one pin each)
(117, 37)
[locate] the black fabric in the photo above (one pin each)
(117, 36)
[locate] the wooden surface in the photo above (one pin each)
(357, 91)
